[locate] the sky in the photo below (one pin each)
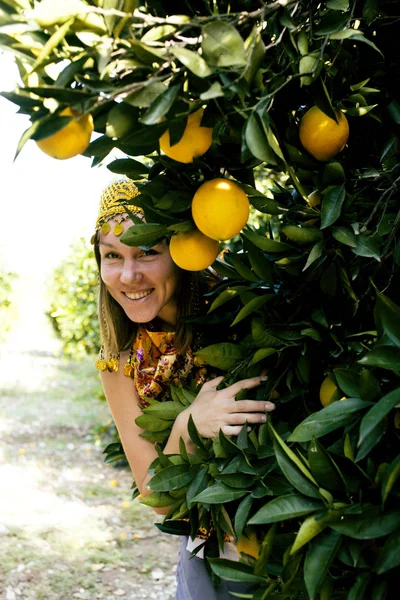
(45, 203)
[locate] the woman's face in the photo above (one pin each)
(143, 282)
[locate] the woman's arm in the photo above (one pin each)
(211, 411)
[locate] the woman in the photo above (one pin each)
(143, 296)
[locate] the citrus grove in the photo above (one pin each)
(291, 109)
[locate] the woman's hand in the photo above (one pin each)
(214, 409)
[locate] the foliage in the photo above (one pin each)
(7, 307)
(72, 298)
(312, 292)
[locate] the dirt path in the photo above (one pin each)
(68, 528)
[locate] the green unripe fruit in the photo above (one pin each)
(120, 121)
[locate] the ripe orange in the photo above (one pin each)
(220, 209)
(192, 250)
(321, 136)
(72, 139)
(249, 544)
(195, 141)
(314, 199)
(329, 392)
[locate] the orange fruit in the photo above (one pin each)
(321, 136)
(314, 199)
(72, 139)
(249, 544)
(329, 391)
(195, 141)
(192, 250)
(220, 209)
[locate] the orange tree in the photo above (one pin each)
(311, 294)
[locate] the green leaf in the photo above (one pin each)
(315, 252)
(222, 45)
(227, 295)
(242, 514)
(327, 419)
(301, 235)
(370, 388)
(267, 206)
(148, 234)
(384, 357)
(312, 527)
(241, 268)
(257, 139)
(309, 67)
(145, 97)
(349, 381)
(319, 557)
(128, 166)
(333, 173)
(294, 470)
(389, 556)
(323, 467)
(345, 235)
(197, 484)
(265, 243)
(193, 61)
(367, 246)
(262, 353)
(283, 508)
(338, 5)
(332, 22)
(219, 494)
(171, 478)
(389, 315)
(152, 424)
(371, 441)
(164, 410)
(64, 95)
(332, 205)
(252, 306)
(214, 91)
(54, 40)
(377, 413)
(233, 570)
(392, 474)
(223, 356)
(160, 106)
(368, 525)
(359, 588)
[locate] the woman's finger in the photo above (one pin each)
(242, 418)
(212, 383)
(251, 406)
(244, 384)
(231, 430)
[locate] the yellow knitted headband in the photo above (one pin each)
(115, 200)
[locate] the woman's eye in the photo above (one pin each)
(111, 255)
(149, 252)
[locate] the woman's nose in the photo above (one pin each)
(130, 272)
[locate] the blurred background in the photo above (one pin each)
(68, 527)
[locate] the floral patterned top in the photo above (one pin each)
(154, 365)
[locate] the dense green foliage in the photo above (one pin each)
(72, 299)
(314, 294)
(7, 306)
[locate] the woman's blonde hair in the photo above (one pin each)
(118, 331)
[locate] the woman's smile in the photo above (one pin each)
(137, 295)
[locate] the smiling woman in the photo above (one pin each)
(143, 299)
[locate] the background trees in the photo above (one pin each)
(310, 294)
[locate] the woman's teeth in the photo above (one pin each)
(138, 295)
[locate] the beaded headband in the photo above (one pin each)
(115, 200)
